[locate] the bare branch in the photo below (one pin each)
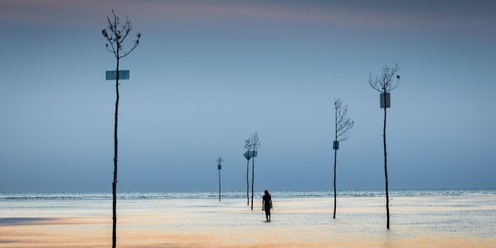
(116, 33)
(127, 53)
(343, 123)
(255, 142)
(248, 144)
(385, 82)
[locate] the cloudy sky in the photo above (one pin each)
(207, 74)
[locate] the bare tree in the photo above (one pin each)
(219, 167)
(385, 83)
(115, 34)
(248, 148)
(343, 125)
(252, 144)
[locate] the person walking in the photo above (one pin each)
(267, 204)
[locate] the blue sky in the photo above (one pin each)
(209, 73)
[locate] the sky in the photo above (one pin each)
(207, 74)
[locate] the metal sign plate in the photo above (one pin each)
(247, 155)
(111, 75)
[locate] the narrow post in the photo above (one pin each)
(219, 185)
(385, 161)
(335, 147)
(116, 147)
(335, 201)
(252, 180)
(247, 182)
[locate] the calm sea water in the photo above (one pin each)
(299, 216)
(36, 204)
(5, 197)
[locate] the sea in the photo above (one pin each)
(92, 203)
(426, 218)
(40, 202)
(23, 197)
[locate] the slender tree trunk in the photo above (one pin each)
(385, 162)
(219, 185)
(335, 201)
(114, 183)
(252, 180)
(335, 155)
(247, 181)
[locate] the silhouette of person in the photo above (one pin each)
(267, 204)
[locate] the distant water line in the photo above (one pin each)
(239, 194)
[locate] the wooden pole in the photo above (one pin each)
(252, 180)
(247, 181)
(385, 159)
(219, 186)
(116, 147)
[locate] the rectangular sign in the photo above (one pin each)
(387, 100)
(250, 154)
(253, 154)
(111, 75)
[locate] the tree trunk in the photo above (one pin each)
(114, 183)
(247, 181)
(335, 201)
(335, 155)
(219, 185)
(385, 162)
(252, 180)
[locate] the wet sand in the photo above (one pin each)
(299, 222)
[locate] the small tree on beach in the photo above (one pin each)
(384, 84)
(343, 125)
(255, 144)
(115, 34)
(252, 144)
(248, 147)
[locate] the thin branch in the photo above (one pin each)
(116, 36)
(255, 142)
(248, 144)
(385, 82)
(344, 124)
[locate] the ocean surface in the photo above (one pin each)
(85, 204)
(10, 197)
(425, 218)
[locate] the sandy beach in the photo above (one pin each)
(440, 221)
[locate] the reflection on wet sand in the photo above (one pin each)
(299, 222)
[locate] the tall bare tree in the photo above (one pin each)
(116, 34)
(343, 125)
(253, 143)
(248, 148)
(384, 84)
(219, 167)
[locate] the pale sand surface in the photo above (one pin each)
(299, 222)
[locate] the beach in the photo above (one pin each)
(467, 220)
